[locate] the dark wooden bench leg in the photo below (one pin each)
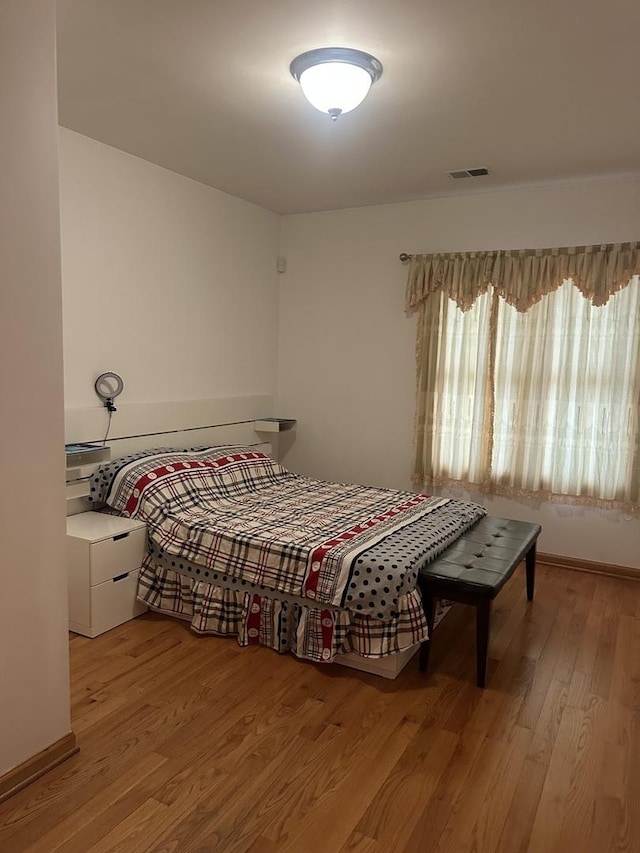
(429, 610)
(483, 626)
(530, 563)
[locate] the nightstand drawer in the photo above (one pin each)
(118, 555)
(114, 602)
(109, 604)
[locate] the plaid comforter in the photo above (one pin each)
(236, 512)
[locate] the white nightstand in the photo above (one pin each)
(104, 554)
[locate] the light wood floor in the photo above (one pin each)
(193, 744)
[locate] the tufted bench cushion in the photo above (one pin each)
(473, 571)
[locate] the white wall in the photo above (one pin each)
(346, 358)
(34, 677)
(166, 281)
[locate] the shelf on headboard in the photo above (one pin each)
(86, 454)
(274, 424)
(82, 459)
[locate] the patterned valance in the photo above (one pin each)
(523, 276)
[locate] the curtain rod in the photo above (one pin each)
(571, 250)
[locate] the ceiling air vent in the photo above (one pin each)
(468, 173)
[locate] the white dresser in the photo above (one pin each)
(104, 554)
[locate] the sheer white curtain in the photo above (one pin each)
(456, 393)
(542, 402)
(567, 386)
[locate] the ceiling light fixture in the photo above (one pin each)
(335, 80)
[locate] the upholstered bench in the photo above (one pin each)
(473, 571)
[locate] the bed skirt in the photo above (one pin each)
(257, 616)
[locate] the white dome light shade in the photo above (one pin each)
(335, 79)
(335, 86)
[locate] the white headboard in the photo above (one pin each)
(141, 426)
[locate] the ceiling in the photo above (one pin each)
(536, 90)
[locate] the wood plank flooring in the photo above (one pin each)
(190, 744)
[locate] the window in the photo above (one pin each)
(539, 402)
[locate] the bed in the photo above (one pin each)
(240, 545)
